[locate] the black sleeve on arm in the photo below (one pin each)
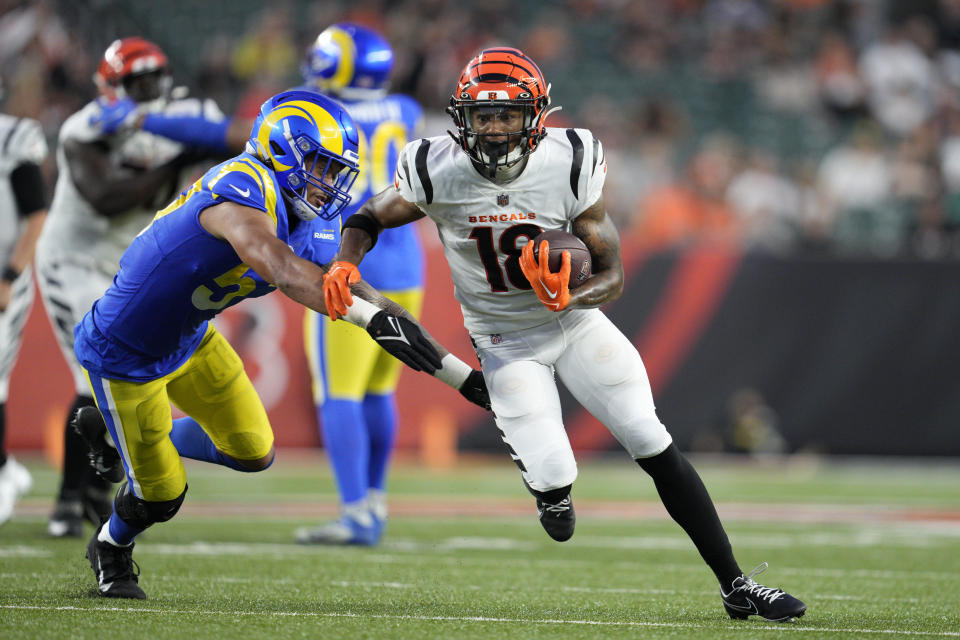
(364, 223)
(28, 189)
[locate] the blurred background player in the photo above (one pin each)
(354, 381)
(22, 213)
(113, 177)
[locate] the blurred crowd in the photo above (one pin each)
(792, 125)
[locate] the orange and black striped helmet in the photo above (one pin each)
(124, 59)
(499, 78)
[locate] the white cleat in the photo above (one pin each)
(15, 481)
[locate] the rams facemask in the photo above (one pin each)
(349, 61)
(303, 135)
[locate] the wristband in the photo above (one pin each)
(453, 371)
(9, 274)
(361, 312)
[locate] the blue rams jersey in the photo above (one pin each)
(385, 126)
(175, 277)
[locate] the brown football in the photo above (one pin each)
(561, 241)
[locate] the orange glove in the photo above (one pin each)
(336, 288)
(553, 289)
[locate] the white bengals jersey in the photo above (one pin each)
(74, 228)
(483, 226)
(21, 142)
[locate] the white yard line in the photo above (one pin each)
(782, 628)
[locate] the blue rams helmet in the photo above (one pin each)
(350, 61)
(302, 135)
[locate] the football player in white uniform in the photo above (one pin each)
(491, 188)
(22, 213)
(112, 181)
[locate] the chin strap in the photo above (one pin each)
(494, 152)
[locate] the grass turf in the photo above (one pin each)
(874, 550)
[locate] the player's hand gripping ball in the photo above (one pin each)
(551, 282)
(560, 241)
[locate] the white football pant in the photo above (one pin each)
(597, 364)
(12, 321)
(68, 290)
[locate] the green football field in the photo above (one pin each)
(873, 549)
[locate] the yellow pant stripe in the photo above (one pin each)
(353, 364)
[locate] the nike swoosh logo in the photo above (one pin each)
(547, 289)
(104, 586)
(751, 609)
(395, 325)
(245, 193)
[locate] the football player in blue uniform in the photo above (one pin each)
(354, 382)
(148, 343)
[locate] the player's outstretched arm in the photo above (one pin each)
(251, 233)
(112, 190)
(387, 209)
(598, 232)
(217, 134)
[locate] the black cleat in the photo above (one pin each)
(89, 425)
(555, 510)
(750, 598)
(557, 519)
(117, 574)
(66, 521)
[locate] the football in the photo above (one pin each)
(561, 241)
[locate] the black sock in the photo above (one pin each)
(553, 496)
(77, 472)
(689, 504)
(3, 433)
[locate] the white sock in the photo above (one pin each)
(378, 503)
(104, 536)
(359, 512)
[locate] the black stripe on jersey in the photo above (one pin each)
(66, 325)
(60, 304)
(577, 163)
(13, 129)
(50, 280)
(406, 170)
(422, 173)
(596, 148)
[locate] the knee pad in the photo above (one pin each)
(140, 513)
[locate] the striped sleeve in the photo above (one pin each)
(24, 142)
(412, 179)
(588, 170)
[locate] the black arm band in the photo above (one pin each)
(28, 188)
(364, 223)
(9, 274)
